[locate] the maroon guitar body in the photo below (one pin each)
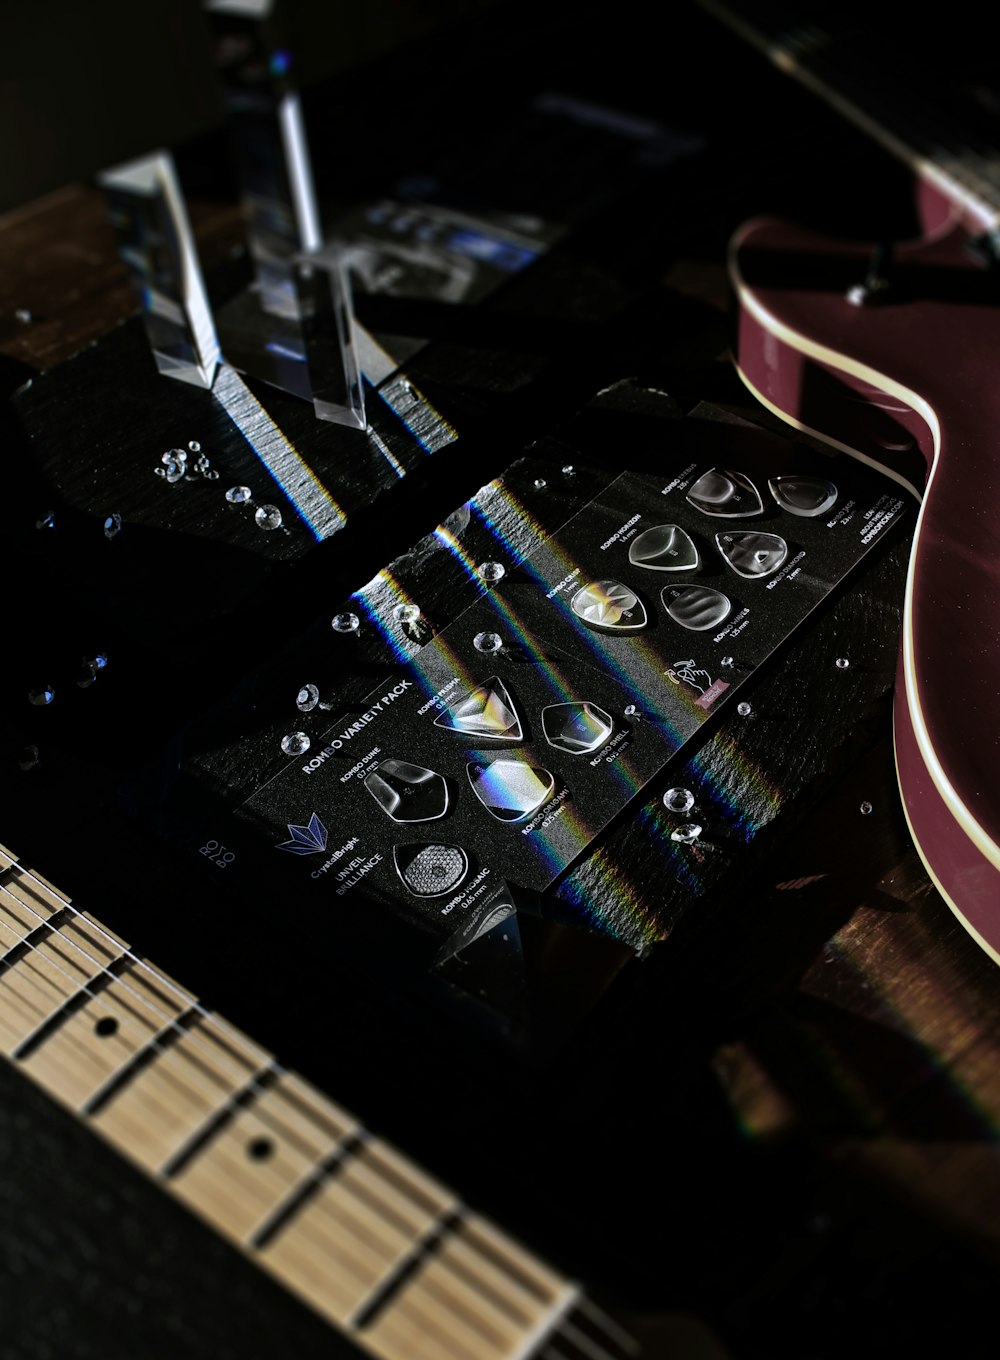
(911, 383)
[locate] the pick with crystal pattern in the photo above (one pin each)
(664, 547)
(805, 496)
(408, 793)
(753, 554)
(725, 494)
(609, 607)
(486, 711)
(306, 840)
(430, 870)
(696, 608)
(510, 790)
(578, 728)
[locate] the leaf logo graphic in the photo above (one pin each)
(306, 840)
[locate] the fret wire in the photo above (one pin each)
(601, 1319)
(452, 1262)
(302, 1193)
(405, 1268)
(276, 1070)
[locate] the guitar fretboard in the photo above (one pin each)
(376, 1246)
(944, 128)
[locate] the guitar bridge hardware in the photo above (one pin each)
(725, 494)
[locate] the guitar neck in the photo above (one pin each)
(941, 128)
(380, 1249)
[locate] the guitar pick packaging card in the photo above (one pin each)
(426, 816)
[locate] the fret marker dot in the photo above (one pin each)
(106, 1026)
(259, 1149)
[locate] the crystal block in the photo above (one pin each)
(155, 241)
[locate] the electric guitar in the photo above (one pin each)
(893, 359)
(387, 1255)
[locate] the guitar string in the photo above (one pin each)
(492, 1260)
(509, 1307)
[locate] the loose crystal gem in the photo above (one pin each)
(631, 711)
(491, 572)
(678, 800)
(842, 663)
(160, 471)
(239, 495)
(569, 470)
(727, 661)
(866, 809)
(173, 472)
(212, 475)
(86, 675)
(112, 526)
(47, 521)
(687, 833)
(578, 728)
(99, 660)
(268, 517)
(175, 456)
(489, 643)
(487, 711)
(295, 743)
(345, 623)
(41, 696)
(194, 446)
(27, 758)
(609, 607)
(307, 698)
(540, 483)
(510, 790)
(744, 709)
(406, 613)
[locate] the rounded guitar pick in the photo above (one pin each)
(576, 728)
(408, 793)
(725, 494)
(486, 711)
(664, 547)
(802, 495)
(430, 870)
(753, 554)
(697, 608)
(609, 607)
(510, 790)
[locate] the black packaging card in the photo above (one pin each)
(516, 734)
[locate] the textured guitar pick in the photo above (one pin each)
(664, 547)
(696, 607)
(510, 790)
(609, 607)
(408, 793)
(752, 554)
(578, 728)
(805, 496)
(487, 711)
(725, 494)
(430, 870)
